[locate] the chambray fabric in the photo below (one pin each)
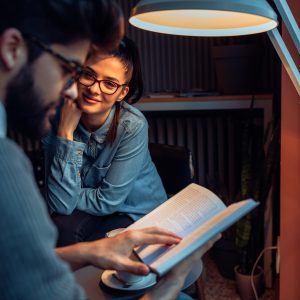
(183, 296)
(2, 121)
(29, 268)
(100, 179)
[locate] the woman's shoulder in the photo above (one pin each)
(132, 117)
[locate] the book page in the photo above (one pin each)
(182, 214)
(171, 256)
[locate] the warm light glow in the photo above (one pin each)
(221, 18)
(202, 22)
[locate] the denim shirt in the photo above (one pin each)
(2, 121)
(98, 178)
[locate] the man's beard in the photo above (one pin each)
(26, 113)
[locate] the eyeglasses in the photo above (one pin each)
(73, 67)
(106, 86)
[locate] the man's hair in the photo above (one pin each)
(64, 21)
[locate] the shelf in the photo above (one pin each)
(263, 101)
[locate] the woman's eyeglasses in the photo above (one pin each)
(108, 87)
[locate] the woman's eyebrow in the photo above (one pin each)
(105, 77)
(111, 78)
(91, 70)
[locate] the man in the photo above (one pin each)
(42, 46)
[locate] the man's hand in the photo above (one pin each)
(113, 253)
(171, 284)
(69, 118)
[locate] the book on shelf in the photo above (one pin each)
(162, 95)
(197, 215)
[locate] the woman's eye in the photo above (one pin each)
(109, 84)
(87, 76)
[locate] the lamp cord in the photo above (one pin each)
(255, 265)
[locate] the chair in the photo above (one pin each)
(33, 149)
(174, 164)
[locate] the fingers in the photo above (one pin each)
(159, 230)
(210, 243)
(215, 238)
(70, 103)
(152, 236)
(135, 267)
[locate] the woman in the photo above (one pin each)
(100, 174)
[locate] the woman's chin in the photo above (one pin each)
(87, 108)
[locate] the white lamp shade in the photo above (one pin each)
(204, 17)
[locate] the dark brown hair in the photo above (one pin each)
(128, 54)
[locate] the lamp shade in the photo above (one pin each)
(204, 17)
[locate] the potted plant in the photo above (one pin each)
(259, 162)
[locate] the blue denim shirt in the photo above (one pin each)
(2, 121)
(100, 179)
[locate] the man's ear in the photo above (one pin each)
(13, 51)
(124, 92)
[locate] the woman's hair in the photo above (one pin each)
(128, 54)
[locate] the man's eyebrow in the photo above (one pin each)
(76, 62)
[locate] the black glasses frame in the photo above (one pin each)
(74, 67)
(99, 83)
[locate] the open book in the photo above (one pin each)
(197, 215)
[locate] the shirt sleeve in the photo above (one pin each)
(63, 162)
(65, 191)
(29, 267)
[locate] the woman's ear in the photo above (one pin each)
(13, 51)
(124, 92)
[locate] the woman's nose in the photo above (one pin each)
(95, 89)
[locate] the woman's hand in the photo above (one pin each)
(69, 118)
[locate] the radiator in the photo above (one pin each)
(213, 137)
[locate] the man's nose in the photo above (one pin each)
(71, 92)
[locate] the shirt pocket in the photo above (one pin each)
(94, 176)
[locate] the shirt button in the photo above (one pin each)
(78, 173)
(79, 152)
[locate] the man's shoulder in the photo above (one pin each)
(9, 147)
(17, 183)
(12, 156)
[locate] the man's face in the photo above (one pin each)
(32, 96)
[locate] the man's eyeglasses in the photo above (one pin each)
(106, 86)
(73, 67)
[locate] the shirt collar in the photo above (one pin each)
(81, 134)
(3, 125)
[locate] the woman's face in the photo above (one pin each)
(91, 99)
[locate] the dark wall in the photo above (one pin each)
(180, 63)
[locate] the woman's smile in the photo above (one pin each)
(90, 99)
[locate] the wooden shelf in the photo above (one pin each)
(262, 101)
(206, 98)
